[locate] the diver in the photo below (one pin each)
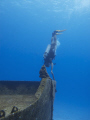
(50, 52)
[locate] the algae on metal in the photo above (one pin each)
(41, 108)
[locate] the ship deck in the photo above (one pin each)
(17, 93)
(7, 102)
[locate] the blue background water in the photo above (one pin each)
(26, 27)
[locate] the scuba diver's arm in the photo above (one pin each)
(51, 67)
(52, 70)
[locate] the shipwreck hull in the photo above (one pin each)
(34, 100)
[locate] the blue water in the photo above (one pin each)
(26, 27)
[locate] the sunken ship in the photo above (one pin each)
(28, 100)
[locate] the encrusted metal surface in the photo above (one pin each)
(34, 100)
(21, 101)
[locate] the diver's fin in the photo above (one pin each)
(60, 30)
(58, 33)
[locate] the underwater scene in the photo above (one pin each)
(42, 40)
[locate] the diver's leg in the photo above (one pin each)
(55, 43)
(55, 38)
(52, 38)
